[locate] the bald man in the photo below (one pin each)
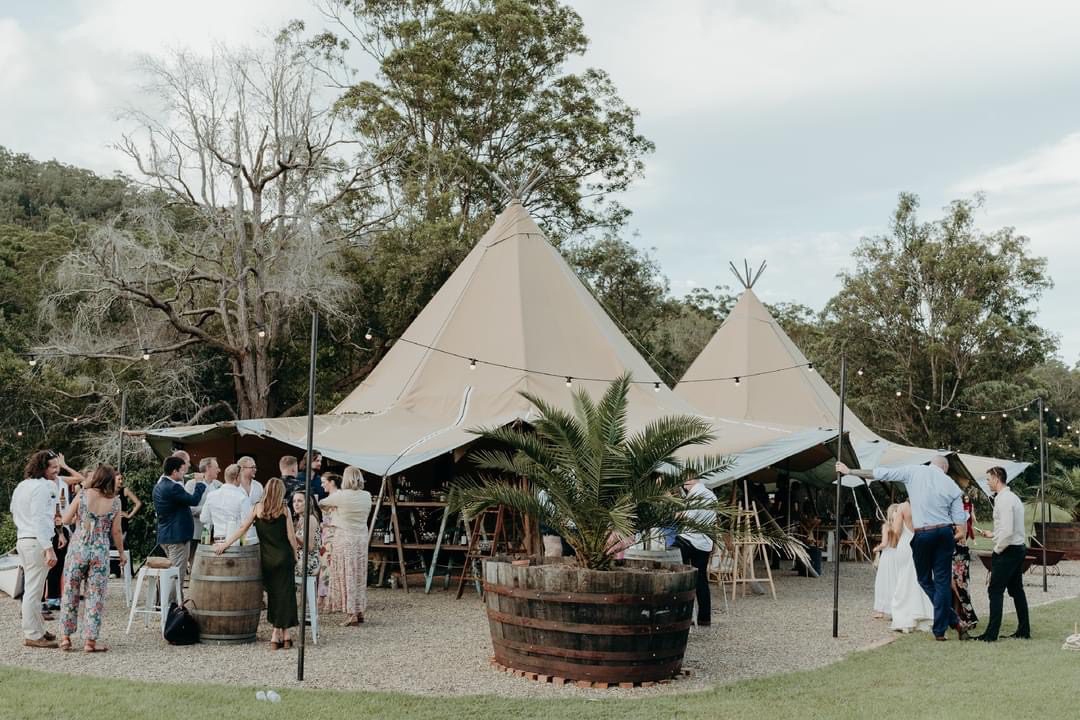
(939, 520)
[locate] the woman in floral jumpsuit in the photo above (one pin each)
(97, 509)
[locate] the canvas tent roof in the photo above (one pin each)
(516, 307)
(750, 341)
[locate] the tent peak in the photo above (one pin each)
(747, 277)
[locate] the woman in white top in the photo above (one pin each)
(349, 552)
(911, 608)
(887, 568)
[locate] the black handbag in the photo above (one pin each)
(181, 628)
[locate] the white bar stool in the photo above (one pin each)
(163, 581)
(312, 605)
(125, 573)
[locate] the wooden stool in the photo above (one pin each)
(162, 582)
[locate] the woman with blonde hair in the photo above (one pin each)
(277, 548)
(887, 567)
(351, 506)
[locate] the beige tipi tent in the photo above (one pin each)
(751, 342)
(513, 317)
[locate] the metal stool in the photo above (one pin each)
(162, 583)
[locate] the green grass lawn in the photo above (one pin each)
(911, 678)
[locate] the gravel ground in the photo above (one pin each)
(436, 645)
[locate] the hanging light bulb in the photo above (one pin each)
(927, 406)
(367, 335)
(810, 367)
(261, 333)
(982, 417)
(569, 381)
(656, 387)
(958, 414)
(18, 434)
(1004, 415)
(74, 419)
(472, 364)
(737, 381)
(33, 361)
(146, 354)
(899, 394)
(860, 373)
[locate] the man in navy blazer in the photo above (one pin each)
(172, 505)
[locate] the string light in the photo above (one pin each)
(569, 381)
(33, 361)
(737, 381)
(18, 434)
(860, 373)
(958, 413)
(472, 364)
(656, 387)
(368, 335)
(899, 394)
(810, 367)
(927, 406)
(982, 417)
(145, 354)
(261, 333)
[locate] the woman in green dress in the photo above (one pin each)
(278, 548)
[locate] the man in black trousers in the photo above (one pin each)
(1007, 566)
(696, 547)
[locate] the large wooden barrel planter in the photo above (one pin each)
(226, 594)
(1061, 536)
(559, 620)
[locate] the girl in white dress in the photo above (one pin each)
(911, 608)
(887, 568)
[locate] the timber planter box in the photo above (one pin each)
(627, 625)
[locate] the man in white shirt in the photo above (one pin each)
(224, 508)
(1007, 565)
(208, 473)
(254, 491)
(696, 546)
(33, 507)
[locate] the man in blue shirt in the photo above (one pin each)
(939, 520)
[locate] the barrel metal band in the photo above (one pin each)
(226, 613)
(586, 628)
(589, 598)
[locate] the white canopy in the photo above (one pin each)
(513, 317)
(751, 341)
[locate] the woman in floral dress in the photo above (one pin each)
(961, 572)
(349, 553)
(330, 484)
(314, 533)
(96, 513)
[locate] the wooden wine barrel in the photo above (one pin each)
(226, 592)
(1061, 536)
(556, 619)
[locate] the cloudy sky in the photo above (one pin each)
(784, 129)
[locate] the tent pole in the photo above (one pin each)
(307, 490)
(1042, 489)
(839, 485)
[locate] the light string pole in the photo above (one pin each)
(307, 492)
(1042, 488)
(835, 557)
(123, 426)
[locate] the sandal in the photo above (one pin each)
(65, 644)
(288, 644)
(275, 645)
(92, 647)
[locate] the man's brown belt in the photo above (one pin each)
(927, 528)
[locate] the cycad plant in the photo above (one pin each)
(599, 482)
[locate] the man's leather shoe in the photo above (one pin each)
(1018, 636)
(49, 636)
(40, 643)
(983, 638)
(940, 638)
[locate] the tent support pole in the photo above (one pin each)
(839, 485)
(1042, 489)
(308, 474)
